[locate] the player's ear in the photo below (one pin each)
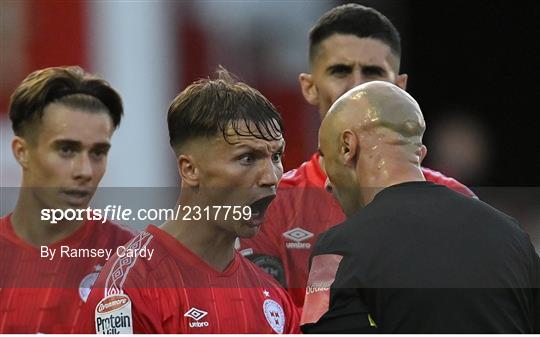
(21, 151)
(401, 81)
(423, 153)
(309, 90)
(349, 147)
(188, 170)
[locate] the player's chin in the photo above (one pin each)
(248, 229)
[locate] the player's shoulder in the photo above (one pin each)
(292, 178)
(441, 179)
(131, 263)
(309, 173)
(119, 230)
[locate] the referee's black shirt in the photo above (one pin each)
(421, 258)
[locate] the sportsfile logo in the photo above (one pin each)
(297, 235)
(197, 315)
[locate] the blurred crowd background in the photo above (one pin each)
(472, 65)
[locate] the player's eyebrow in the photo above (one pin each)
(261, 148)
(77, 145)
(373, 67)
(339, 67)
(101, 146)
(67, 142)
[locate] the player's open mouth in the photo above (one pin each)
(77, 193)
(259, 207)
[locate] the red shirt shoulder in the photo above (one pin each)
(308, 174)
(439, 178)
(44, 293)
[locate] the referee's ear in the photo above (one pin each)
(349, 147)
(188, 170)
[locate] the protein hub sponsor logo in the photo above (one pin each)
(113, 315)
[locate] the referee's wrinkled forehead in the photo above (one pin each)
(211, 106)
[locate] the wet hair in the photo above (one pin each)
(354, 19)
(70, 86)
(208, 107)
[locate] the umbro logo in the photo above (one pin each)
(297, 235)
(196, 314)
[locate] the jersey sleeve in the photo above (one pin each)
(333, 303)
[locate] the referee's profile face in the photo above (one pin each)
(65, 157)
(340, 179)
(345, 61)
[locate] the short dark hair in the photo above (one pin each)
(209, 106)
(354, 19)
(71, 86)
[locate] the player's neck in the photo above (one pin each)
(213, 246)
(27, 223)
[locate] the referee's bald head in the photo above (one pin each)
(377, 104)
(371, 138)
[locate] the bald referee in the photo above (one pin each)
(412, 256)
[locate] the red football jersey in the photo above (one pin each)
(175, 291)
(301, 211)
(43, 294)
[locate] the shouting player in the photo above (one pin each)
(412, 256)
(63, 119)
(349, 45)
(228, 141)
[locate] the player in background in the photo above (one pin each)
(412, 256)
(228, 141)
(63, 119)
(349, 45)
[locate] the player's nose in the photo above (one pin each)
(270, 175)
(82, 168)
(357, 78)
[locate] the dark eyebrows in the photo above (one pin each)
(339, 67)
(259, 149)
(77, 145)
(102, 146)
(342, 67)
(67, 142)
(374, 68)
